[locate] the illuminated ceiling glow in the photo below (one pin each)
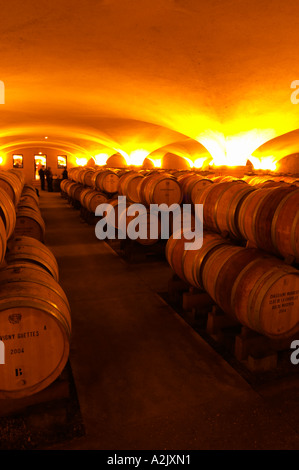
(150, 76)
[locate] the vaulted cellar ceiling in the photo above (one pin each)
(109, 75)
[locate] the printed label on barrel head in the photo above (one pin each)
(283, 300)
(170, 192)
(280, 311)
(34, 347)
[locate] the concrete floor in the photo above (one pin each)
(145, 380)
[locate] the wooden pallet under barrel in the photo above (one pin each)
(239, 344)
(44, 419)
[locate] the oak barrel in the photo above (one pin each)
(285, 226)
(83, 194)
(258, 290)
(28, 201)
(11, 185)
(63, 187)
(258, 214)
(93, 199)
(86, 177)
(7, 213)
(128, 186)
(106, 181)
(221, 205)
(191, 185)
(30, 223)
(159, 188)
(35, 326)
(3, 241)
(188, 264)
(29, 250)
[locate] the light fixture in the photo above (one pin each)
(137, 157)
(101, 159)
(81, 161)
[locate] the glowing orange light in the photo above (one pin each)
(265, 163)
(137, 157)
(81, 161)
(199, 162)
(234, 150)
(189, 161)
(156, 162)
(101, 159)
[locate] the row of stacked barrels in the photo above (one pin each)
(35, 319)
(250, 231)
(92, 187)
(248, 260)
(238, 208)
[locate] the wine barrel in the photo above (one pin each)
(30, 223)
(128, 186)
(29, 250)
(28, 201)
(263, 182)
(29, 190)
(70, 187)
(29, 193)
(222, 179)
(191, 185)
(105, 181)
(76, 191)
(221, 205)
(35, 326)
(19, 174)
(73, 190)
(255, 288)
(220, 271)
(285, 226)
(188, 264)
(73, 173)
(194, 260)
(273, 184)
(159, 188)
(174, 252)
(7, 213)
(83, 194)
(257, 213)
(86, 177)
(65, 187)
(77, 176)
(265, 298)
(290, 180)
(3, 241)
(93, 199)
(11, 185)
